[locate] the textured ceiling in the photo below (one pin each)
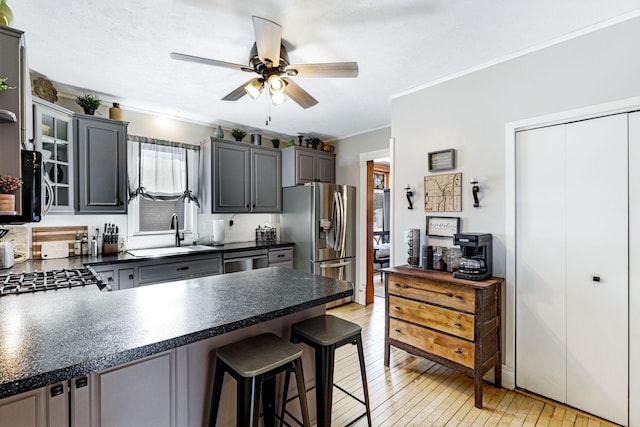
(120, 49)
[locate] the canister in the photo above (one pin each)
(6, 254)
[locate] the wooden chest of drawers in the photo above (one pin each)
(451, 321)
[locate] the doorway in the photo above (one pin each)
(364, 253)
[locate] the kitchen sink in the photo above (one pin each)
(170, 250)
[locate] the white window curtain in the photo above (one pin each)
(162, 170)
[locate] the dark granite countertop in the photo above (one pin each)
(79, 261)
(52, 336)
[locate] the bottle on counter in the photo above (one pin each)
(85, 244)
(77, 246)
(94, 246)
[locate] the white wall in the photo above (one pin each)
(348, 152)
(469, 114)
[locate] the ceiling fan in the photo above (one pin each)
(269, 59)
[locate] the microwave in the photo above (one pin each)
(31, 195)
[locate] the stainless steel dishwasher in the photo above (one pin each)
(245, 260)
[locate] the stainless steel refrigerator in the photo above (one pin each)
(320, 219)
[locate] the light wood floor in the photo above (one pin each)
(416, 392)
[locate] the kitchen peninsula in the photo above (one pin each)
(57, 336)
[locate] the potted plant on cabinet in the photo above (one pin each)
(8, 185)
(4, 85)
(314, 141)
(89, 103)
(275, 142)
(238, 134)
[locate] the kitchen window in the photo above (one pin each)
(163, 179)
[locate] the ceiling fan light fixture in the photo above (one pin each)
(278, 98)
(254, 88)
(276, 85)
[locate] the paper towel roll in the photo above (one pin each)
(217, 231)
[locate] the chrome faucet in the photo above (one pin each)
(176, 226)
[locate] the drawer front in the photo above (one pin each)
(126, 278)
(179, 270)
(451, 348)
(446, 294)
(280, 255)
(442, 319)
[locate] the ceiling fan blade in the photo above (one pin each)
(238, 92)
(329, 69)
(207, 61)
(268, 40)
(299, 95)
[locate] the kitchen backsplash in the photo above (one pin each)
(243, 228)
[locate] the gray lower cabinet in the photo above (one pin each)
(126, 275)
(301, 165)
(101, 165)
(240, 178)
(61, 404)
(282, 257)
(140, 393)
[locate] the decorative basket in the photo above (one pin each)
(266, 234)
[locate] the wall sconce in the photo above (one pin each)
(407, 188)
(475, 189)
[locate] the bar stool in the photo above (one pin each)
(254, 362)
(325, 334)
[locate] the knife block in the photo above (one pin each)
(109, 248)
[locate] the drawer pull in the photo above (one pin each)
(459, 296)
(398, 331)
(449, 294)
(458, 351)
(398, 308)
(182, 268)
(458, 325)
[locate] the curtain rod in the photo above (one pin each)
(148, 140)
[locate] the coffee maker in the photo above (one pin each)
(477, 256)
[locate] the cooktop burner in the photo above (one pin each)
(18, 283)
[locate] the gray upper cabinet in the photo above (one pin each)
(11, 104)
(239, 177)
(101, 165)
(301, 165)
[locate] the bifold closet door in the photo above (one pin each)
(598, 267)
(541, 348)
(572, 264)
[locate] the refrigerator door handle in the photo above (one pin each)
(335, 264)
(339, 212)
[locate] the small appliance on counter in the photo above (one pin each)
(477, 256)
(414, 248)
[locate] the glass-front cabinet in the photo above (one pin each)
(53, 132)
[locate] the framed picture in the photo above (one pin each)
(379, 181)
(442, 160)
(441, 226)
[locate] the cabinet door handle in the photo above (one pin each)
(131, 277)
(596, 278)
(57, 390)
(182, 268)
(458, 351)
(82, 382)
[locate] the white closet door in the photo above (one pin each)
(597, 247)
(634, 269)
(541, 262)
